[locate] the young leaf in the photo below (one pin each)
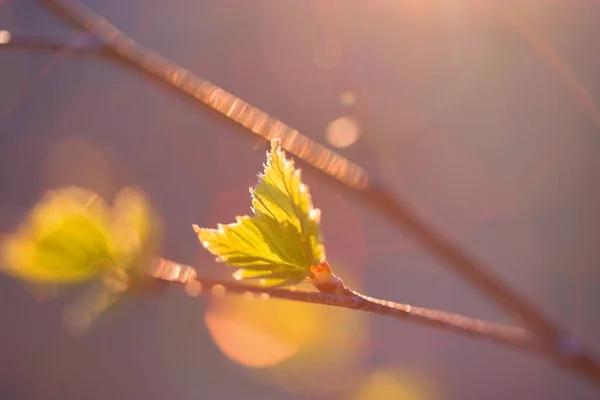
(72, 235)
(281, 195)
(66, 239)
(282, 241)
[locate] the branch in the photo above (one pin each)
(514, 337)
(341, 172)
(171, 271)
(73, 43)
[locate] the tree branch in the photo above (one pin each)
(511, 336)
(341, 173)
(74, 43)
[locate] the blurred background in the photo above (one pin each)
(481, 114)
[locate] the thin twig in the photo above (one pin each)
(511, 336)
(171, 271)
(74, 43)
(351, 176)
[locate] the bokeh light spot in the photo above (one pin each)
(343, 131)
(347, 98)
(193, 288)
(219, 290)
(390, 384)
(259, 334)
(5, 37)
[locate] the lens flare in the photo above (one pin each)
(5, 37)
(259, 333)
(343, 132)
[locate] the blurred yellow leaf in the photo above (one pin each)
(136, 229)
(66, 239)
(72, 235)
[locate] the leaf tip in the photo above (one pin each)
(315, 214)
(276, 144)
(202, 233)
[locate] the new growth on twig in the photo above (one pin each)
(542, 335)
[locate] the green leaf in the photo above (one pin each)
(66, 239)
(282, 241)
(281, 195)
(72, 235)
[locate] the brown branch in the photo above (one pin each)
(341, 171)
(511, 336)
(74, 43)
(171, 271)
